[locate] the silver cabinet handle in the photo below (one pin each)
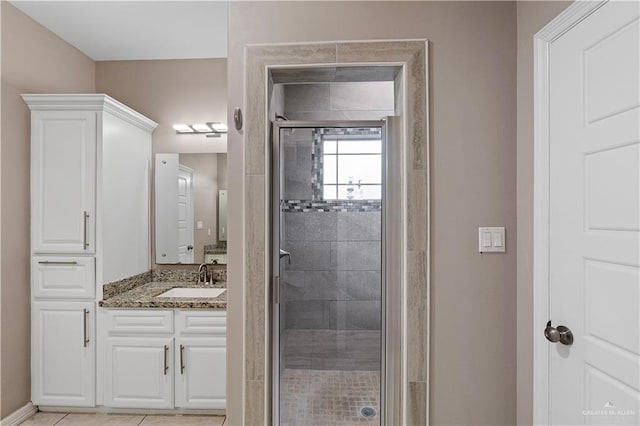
(166, 366)
(86, 221)
(181, 359)
(54, 262)
(84, 327)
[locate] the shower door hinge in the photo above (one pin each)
(276, 289)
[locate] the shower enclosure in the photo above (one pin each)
(328, 290)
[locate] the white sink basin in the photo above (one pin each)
(193, 292)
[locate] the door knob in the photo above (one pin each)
(189, 247)
(560, 334)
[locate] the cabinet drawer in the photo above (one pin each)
(147, 321)
(63, 277)
(201, 322)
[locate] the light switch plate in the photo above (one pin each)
(491, 239)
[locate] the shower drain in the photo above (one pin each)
(368, 412)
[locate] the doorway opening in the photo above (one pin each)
(328, 262)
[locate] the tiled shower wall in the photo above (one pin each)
(368, 100)
(334, 278)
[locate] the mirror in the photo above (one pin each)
(191, 208)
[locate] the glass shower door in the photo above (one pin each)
(328, 188)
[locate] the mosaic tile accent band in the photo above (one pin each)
(317, 165)
(351, 131)
(304, 206)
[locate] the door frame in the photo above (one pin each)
(251, 303)
(385, 372)
(543, 39)
(190, 208)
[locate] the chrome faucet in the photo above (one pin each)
(202, 269)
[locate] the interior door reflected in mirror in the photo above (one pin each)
(191, 208)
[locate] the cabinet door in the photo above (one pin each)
(139, 372)
(63, 354)
(201, 380)
(63, 181)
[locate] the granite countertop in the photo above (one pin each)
(145, 296)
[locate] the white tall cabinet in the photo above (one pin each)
(90, 170)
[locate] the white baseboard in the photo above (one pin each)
(20, 415)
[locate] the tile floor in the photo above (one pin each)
(72, 419)
(328, 397)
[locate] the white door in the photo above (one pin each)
(201, 372)
(139, 372)
(63, 354)
(63, 168)
(185, 214)
(594, 218)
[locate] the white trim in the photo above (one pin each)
(88, 102)
(566, 20)
(20, 415)
(427, 352)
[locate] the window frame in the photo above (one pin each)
(337, 140)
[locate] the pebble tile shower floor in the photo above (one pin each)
(328, 397)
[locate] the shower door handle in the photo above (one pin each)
(286, 254)
(276, 289)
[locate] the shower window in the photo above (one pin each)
(352, 169)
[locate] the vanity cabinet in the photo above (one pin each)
(90, 161)
(165, 359)
(63, 353)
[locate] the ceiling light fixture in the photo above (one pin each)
(212, 129)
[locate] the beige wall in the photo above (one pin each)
(532, 16)
(169, 92)
(473, 171)
(34, 60)
(472, 82)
